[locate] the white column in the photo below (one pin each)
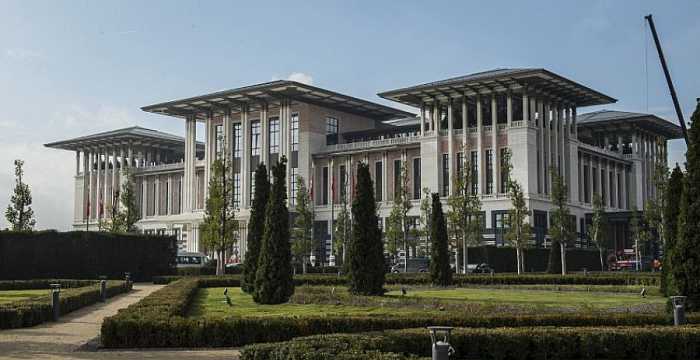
(228, 133)
(144, 196)
(77, 162)
(245, 156)
(265, 132)
(422, 119)
(99, 192)
(86, 184)
(548, 125)
(543, 145)
(573, 122)
(450, 147)
(465, 125)
(190, 161)
(385, 192)
(494, 145)
(115, 184)
(526, 106)
(479, 145)
(210, 141)
(288, 145)
(509, 109)
(169, 193)
(625, 195)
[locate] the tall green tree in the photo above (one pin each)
(366, 253)
(220, 227)
(256, 228)
(463, 215)
(274, 283)
(654, 208)
(519, 230)
(303, 232)
(440, 272)
(671, 214)
(343, 228)
(19, 213)
(561, 230)
(595, 231)
(397, 222)
(128, 214)
(638, 236)
(426, 206)
(686, 268)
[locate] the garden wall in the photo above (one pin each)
(84, 255)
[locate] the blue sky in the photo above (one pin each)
(68, 68)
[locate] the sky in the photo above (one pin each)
(71, 68)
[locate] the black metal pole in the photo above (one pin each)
(674, 97)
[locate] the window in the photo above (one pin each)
(460, 164)
(603, 187)
(295, 132)
(252, 184)
(237, 190)
(331, 130)
(324, 183)
(397, 177)
(416, 178)
(619, 191)
(237, 140)
(475, 172)
(489, 171)
(294, 173)
(611, 179)
(274, 135)
(445, 174)
(378, 171)
(586, 184)
(505, 176)
(343, 182)
(255, 138)
(219, 141)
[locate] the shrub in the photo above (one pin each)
(36, 310)
(43, 284)
(506, 343)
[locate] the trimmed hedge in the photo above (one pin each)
(642, 343)
(43, 284)
(84, 255)
(160, 320)
(36, 310)
(458, 280)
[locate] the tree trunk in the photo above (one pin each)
(522, 260)
(517, 257)
(220, 263)
(600, 252)
(466, 255)
(457, 259)
(303, 264)
(563, 258)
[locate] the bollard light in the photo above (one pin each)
(441, 348)
(56, 300)
(678, 310)
(103, 288)
(127, 278)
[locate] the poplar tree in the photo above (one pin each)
(671, 214)
(220, 227)
(561, 230)
(256, 228)
(440, 272)
(366, 253)
(595, 231)
(303, 238)
(128, 214)
(274, 283)
(397, 222)
(19, 213)
(426, 206)
(463, 215)
(686, 264)
(343, 227)
(518, 231)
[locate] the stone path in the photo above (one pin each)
(75, 336)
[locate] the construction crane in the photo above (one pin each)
(671, 89)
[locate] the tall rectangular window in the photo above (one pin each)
(619, 191)
(474, 162)
(324, 183)
(397, 177)
(294, 173)
(237, 140)
(295, 132)
(595, 182)
(343, 188)
(489, 171)
(611, 179)
(274, 135)
(586, 184)
(460, 164)
(252, 184)
(416, 178)
(603, 187)
(331, 130)
(378, 173)
(255, 138)
(505, 176)
(219, 134)
(237, 190)
(445, 174)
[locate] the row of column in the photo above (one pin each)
(616, 196)
(97, 195)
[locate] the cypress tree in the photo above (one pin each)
(256, 228)
(19, 213)
(366, 251)
(273, 279)
(671, 213)
(440, 272)
(686, 260)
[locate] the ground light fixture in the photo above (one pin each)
(441, 347)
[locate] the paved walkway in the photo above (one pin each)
(75, 336)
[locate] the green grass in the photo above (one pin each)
(14, 295)
(322, 300)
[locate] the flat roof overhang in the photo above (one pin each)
(273, 92)
(134, 136)
(651, 123)
(535, 80)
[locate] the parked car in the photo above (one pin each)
(191, 259)
(482, 268)
(419, 265)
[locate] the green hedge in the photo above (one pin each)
(458, 280)
(43, 284)
(642, 343)
(36, 310)
(160, 320)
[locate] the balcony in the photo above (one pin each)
(362, 145)
(160, 168)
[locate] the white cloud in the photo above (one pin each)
(298, 77)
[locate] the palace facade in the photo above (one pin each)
(533, 113)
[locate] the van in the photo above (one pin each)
(419, 265)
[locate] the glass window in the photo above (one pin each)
(343, 181)
(324, 183)
(378, 173)
(489, 171)
(293, 185)
(397, 177)
(475, 172)
(237, 140)
(255, 138)
(445, 174)
(416, 178)
(295, 132)
(331, 130)
(237, 190)
(504, 174)
(219, 133)
(274, 135)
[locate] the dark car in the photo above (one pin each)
(419, 265)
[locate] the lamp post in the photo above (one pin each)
(441, 349)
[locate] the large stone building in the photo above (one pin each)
(531, 112)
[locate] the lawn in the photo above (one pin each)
(323, 300)
(14, 295)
